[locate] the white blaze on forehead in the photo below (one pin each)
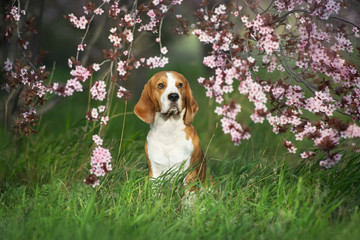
(170, 88)
(171, 81)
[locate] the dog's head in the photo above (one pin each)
(168, 93)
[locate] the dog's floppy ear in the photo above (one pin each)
(145, 108)
(191, 105)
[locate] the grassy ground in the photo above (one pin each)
(262, 192)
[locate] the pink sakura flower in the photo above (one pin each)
(115, 40)
(97, 140)
(15, 13)
(251, 59)
(123, 93)
(114, 9)
(353, 131)
(157, 62)
(235, 130)
(100, 161)
(70, 63)
(156, 2)
(164, 50)
(14, 10)
(151, 13)
(94, 113)
(96, 67)
(98, 91)
(244, 19)
(355, 30)
(304, 155)
(80, 73)
(8, 65)
(121, 68)
(176, 2)
(209, 61)
(78, 23)
(220, 10)
(201, 80)
(30, 112)
(98, 11)
(137, 64)
(129, 35)
(330, 161)
(101, 109)
(307, 155)
(328, 138)
(72, 85)
(17, 17)
(81, 47)
(104, 120)
(290, 146)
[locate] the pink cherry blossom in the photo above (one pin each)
(97, 140)
(8, 65)
(98, 91)
(100, 161)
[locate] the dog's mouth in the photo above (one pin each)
(173, 111)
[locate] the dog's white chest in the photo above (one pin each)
(168, 148)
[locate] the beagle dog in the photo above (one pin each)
(168, 105)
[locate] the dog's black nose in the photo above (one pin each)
(173, 97)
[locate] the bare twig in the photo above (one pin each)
(86, 32)
(345, 20)
(93, 39)
(292, 73)
(288, 13)
(307, 12)
(267, 9)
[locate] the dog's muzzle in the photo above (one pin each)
(173, 109)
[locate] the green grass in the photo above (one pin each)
(257, 196)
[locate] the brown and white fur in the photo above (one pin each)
(168, 105)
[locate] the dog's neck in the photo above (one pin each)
(168, 124)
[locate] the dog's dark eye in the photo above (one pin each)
(160, 85)
(180, 85)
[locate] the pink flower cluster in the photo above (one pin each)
(79, 23)
(15, 13)
(264, 34)
(123, 93)
(330, 160)
(98, 91)
(322, 8)
(79, 74)
(100, 163)
(98, 114)
(313, 48)
(157, 62)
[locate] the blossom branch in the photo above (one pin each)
(307, 12)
